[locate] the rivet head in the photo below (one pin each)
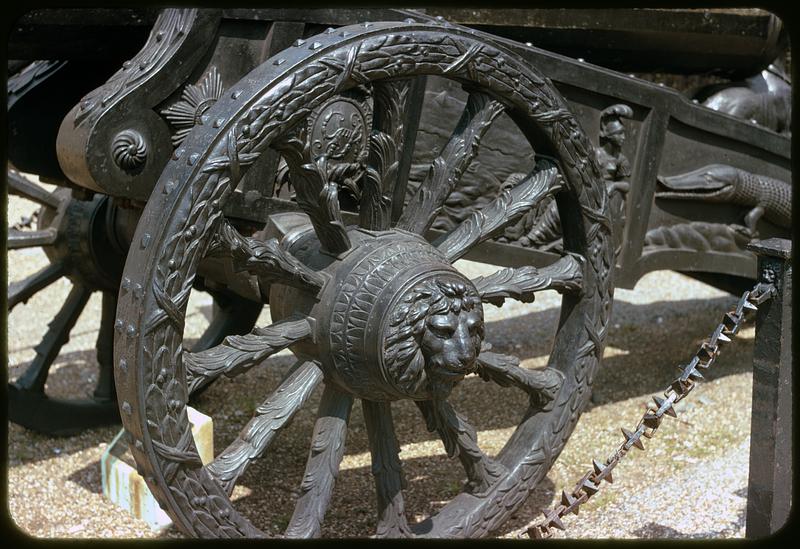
(280, 61)
(330, 30)
(146, 240)
(236, 94)
(123, 366)
(131, 330)
(218, 122)
(170, 185)
(119, 325)
(126, 283)
(315, 46)
(138, 291)
(126, 407)
(193, 158)
(299, 42)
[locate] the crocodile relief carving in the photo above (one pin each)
(767, 197)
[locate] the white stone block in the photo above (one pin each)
(125, 487)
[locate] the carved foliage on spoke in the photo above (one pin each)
(240, 353)
(316, 194)
(386, 142)
(522, 283)
(541, 385)
(387, 469)
(270, 417)
(322, 467)
(263, 258)
(460, 439)
(505, 209)
(447, 168)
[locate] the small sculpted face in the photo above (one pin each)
(436, 337)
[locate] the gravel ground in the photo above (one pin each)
(690, 483)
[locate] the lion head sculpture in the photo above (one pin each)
(434, 336)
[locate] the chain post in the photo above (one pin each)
(769, 491)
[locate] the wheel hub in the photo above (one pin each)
(88, 240)
(395, 320)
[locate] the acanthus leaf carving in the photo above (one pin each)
(239, 353)
(522, 283)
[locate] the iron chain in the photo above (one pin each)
(591, 482)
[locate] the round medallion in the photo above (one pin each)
(340, 128)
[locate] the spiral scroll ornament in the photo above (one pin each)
(129, 150)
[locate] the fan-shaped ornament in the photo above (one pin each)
(196, 99)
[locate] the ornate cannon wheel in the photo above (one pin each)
(81, 243)
(373, 310)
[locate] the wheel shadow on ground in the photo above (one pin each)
(644, 346)
(88, 477)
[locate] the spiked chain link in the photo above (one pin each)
(590, 483)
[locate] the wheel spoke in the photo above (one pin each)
(541, 385)
(391, 104)
(322, 467)
(447, 169)
(265, 259)
(104, 389)
(34, 378)
(30, 239)
(237, 354)
(505, 209)
(270, 417)
(316, 195)
(565, 275)
(387, 469)
(22, 186)
(460, 439)
(232, 315)
(22, 290)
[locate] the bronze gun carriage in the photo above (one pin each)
(335, 164)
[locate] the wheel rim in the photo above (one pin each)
(184, 222)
